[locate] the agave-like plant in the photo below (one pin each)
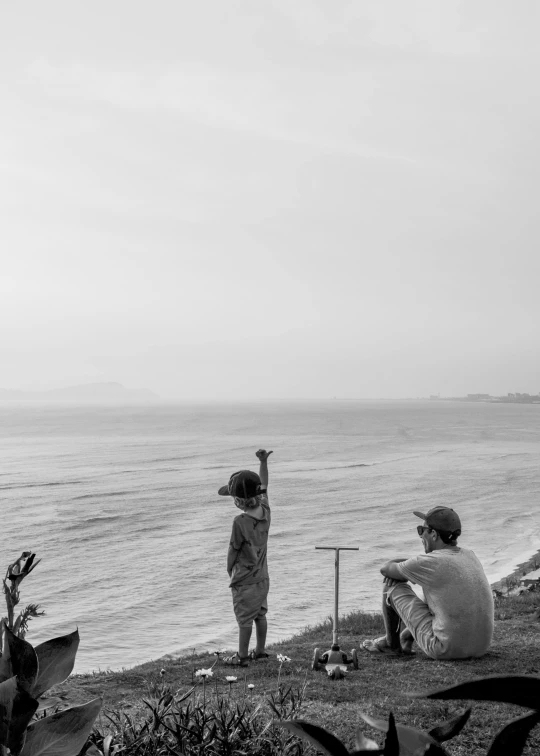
(400, 740)
(521, 690)
(26, 673)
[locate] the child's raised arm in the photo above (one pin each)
(262, 455)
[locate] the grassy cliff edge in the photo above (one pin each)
(380, 685)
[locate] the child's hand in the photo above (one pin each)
(262, 454)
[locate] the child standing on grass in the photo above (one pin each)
(246, 558)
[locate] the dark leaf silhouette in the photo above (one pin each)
(392, 746)
(522, 690)
(451, 728)
(510, 741)
(319, 737)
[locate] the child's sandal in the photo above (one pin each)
(237, 661)
(254, 655)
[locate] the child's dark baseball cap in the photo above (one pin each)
(243, 484)
(441, 518)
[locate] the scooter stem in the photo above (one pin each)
(337, 549)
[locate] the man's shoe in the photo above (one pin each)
(380, 646)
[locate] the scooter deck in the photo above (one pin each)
(331, 667)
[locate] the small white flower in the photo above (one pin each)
(282, 658)
(204, 673)
(251, 686)
(231, 678)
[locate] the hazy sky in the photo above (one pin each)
(278, 198)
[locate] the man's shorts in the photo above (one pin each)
(250, 602)
(416, 615)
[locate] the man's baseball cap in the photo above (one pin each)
(243, 484)
(441, 518)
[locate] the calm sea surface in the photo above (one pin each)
(121, 504)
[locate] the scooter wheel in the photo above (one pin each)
(338, 674)
(315, 664)
(354, 659)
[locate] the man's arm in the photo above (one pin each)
(390, 570)
(262, 455)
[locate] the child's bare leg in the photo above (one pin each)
(261, 627)
(244, 636)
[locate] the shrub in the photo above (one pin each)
(200, 727)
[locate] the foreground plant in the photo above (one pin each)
(400, 740)
(15, 574)
(183, 727)
(26, 673)
(282, 659)
(521, 690)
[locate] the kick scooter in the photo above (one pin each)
(334, 660)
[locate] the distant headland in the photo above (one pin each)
(111, 392)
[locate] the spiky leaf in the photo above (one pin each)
(522, 690)
(451, 728)
(63, 733)
(392, 746)
(56, 659)
(18, 658)
(510, 741)
(319, 737)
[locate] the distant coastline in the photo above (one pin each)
(516, 398)
(507, 584)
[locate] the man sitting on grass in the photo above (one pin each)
(456, 619)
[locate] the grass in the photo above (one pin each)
(379, 685)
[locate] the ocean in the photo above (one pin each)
(121, 505)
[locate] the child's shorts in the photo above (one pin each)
(250, 602)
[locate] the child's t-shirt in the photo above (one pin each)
(249, 538)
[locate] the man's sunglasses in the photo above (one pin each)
(420, 529)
